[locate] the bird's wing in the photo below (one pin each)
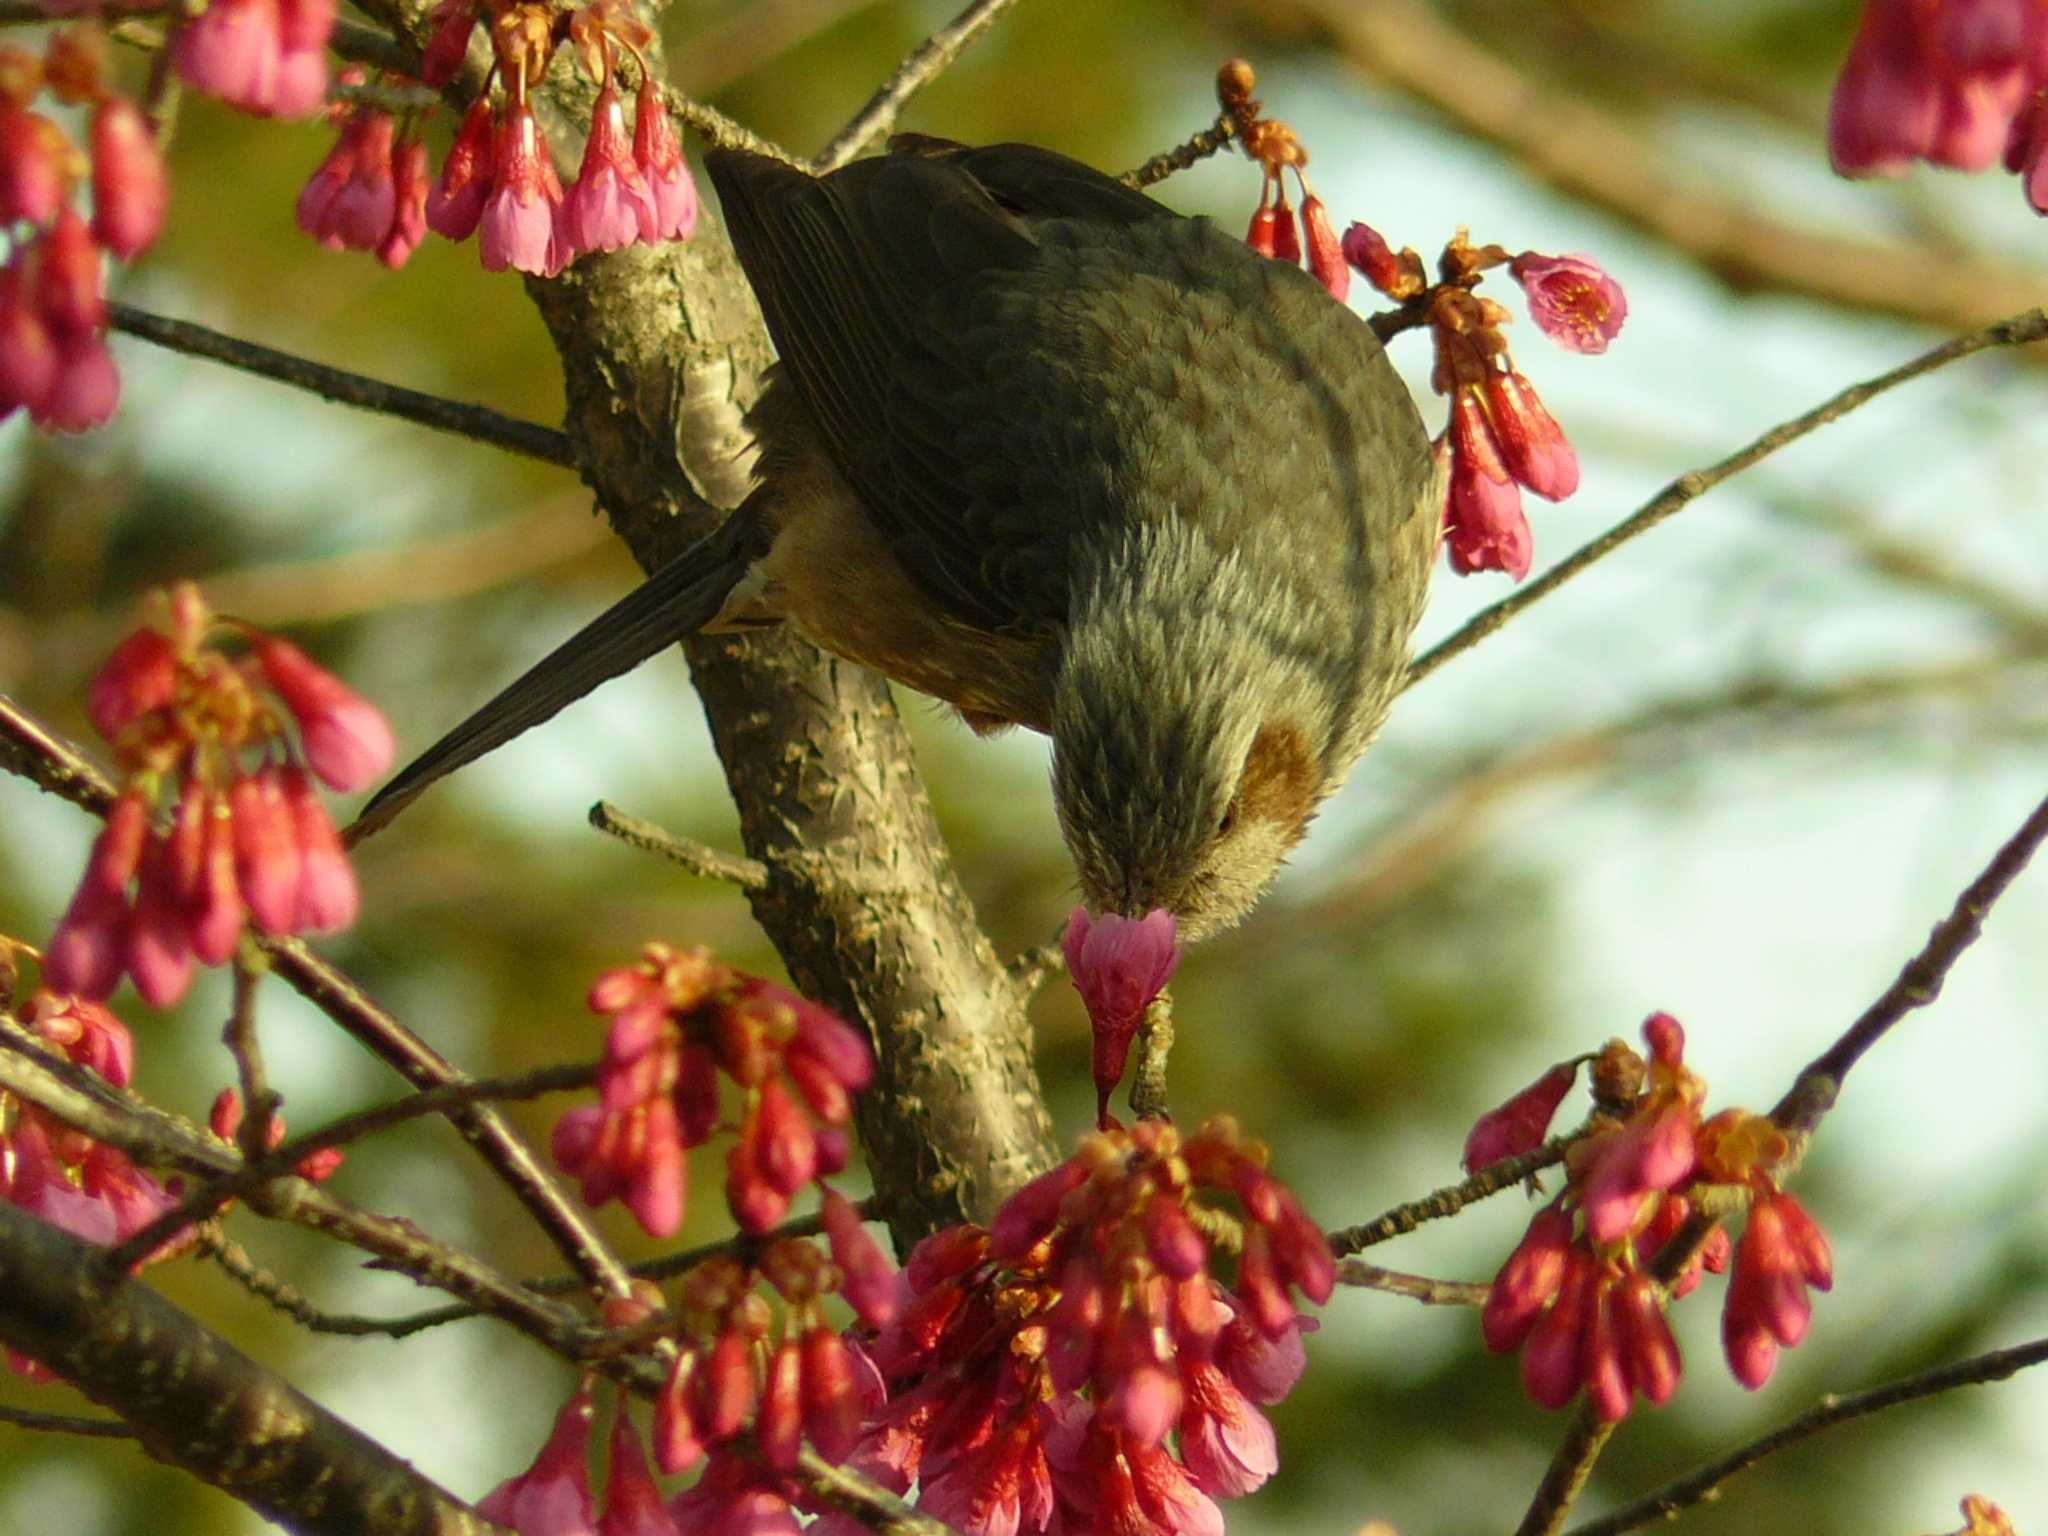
(677, 600)
(900, 294)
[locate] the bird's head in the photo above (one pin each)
(1192, 742)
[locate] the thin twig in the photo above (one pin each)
(1431, 1293)
(1148, 1073)
(1029, 969)
(1197, 147)
(2018, 330)
(259, 1169)
(1565, 1478)
(1451, 1199)
(698, 858)
(1697, 1486)
(259, 1101)
(932, 58)
(66, 1424)
(476, 422)
(1918, 983)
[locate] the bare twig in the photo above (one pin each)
(1918, 983)
(1565, 1478)
(66, 1424)
(259, 1101)
(261, 1166)
(1431, 1293)
(1490, 1180)
(2018, 330)
(1700, 1485)
(932, 58)
(476, 422)
(1197, 147)
(698, 858)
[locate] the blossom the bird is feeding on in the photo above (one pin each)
(1118, 965)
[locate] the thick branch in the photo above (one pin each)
(195, 1401)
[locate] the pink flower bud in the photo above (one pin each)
(86, 955)
(68, 286)
(678, 1441)
(1518, 1126)
(756, 1202)
(609, 204)
(727, 1388)
(1367, 250)
(517, 229)
(1528, 1282)
(1886, 101)
(632, 1502)
(347, 742)
(159, 936)
(1572, 301)
(129, 187)
(831, 1407)
(1286, 237)
(456, 201)
(1118, 965)
(216, 918)
(28, 352)
(84, 391)
(31, 165)
(1176, 1247)
(1325, 253)
(552, 1497)
(1532, 445)
(786, 1146)
(452, 22)
(1551, 1358)
(672, 196)
(656, 1185)
(1602, 1363)
(410, 177)
(140, 675)
(1484, 528)
(267, 860)
(867, 1280)
(1264, 234)
(328, 898)
(1028, 1217)
(1650, 1350)
(232, 50)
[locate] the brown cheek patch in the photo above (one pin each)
(1280, 781)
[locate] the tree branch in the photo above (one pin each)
(1700, 1485)
(931, 59)
(2018, 330)
(1490, 1180)
(195, 1401)
(1918, 983)
(1431, 1293)
(476, 422)
(705, 862)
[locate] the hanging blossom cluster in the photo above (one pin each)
(228, 747)
(1077, 1366)
(679, 1021)
(63, 1176)
(374, 191)
(1578, 1296)
(757, 1367)
(1952, 82)
(1501, 440)
(54, 362)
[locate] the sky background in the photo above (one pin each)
(1760, 873)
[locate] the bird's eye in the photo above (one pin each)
(1228, 821)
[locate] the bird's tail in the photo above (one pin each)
(677, 600)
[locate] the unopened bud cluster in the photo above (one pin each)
(222, 747)
(1583, 1296)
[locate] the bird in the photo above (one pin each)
(1042, 447)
